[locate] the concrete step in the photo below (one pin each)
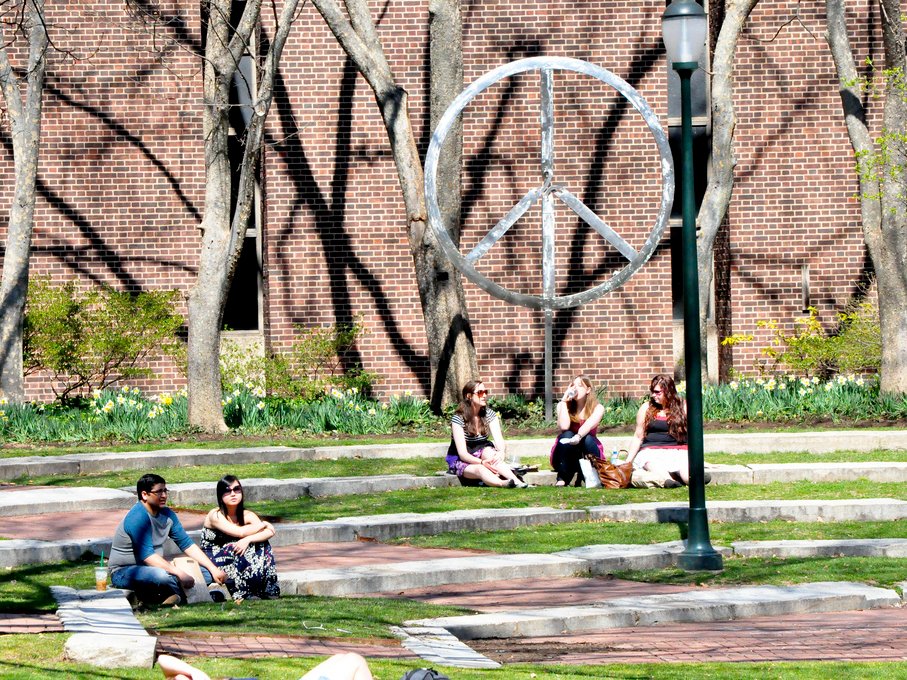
(105, 632)
(846, 547)
(384, 578)
(857, 510)
(23, 501)
(89, 463)
(385, 527)
(701, 605)
(263, 489)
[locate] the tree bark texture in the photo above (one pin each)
(222, 231)
(24, 110)
(451, 351)
(882, 193)
(455, 364)
(723, 159)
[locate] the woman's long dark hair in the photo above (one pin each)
(673, 407)
(467, 410)
(222, 486)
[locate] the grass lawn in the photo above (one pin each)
(342, 467)
(351, 467)
(551, 538)
(460, 498)
(40, 657)
(230, 441)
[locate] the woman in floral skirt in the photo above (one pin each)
(236, 540)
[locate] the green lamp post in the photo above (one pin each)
(684, 27)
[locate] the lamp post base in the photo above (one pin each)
(700, 561)
(699, 555)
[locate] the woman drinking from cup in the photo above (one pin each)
(578, 416)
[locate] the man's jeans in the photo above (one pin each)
(151, 584)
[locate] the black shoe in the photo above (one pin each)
(706, 477)
(511, 484)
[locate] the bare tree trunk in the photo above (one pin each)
(449, 331)
(723, 159)
(450, 347)
(25, 121)
(223, 232)
(882, 188)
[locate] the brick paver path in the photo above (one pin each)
(29, 623)
(253, 646)
(879, 635)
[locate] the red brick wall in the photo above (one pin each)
(123, 169)
(795, 193)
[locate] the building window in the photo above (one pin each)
(243, 310)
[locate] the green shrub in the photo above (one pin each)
(313, 366)
(410, 412)
(518, 409)
(810, 351)
(859, 340)
(88, 340)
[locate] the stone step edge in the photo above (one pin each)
(696, 606)
(594, 560)
(104, 631)
(86, 463)
(436, 645)
(18, 552)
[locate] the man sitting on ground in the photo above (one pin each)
(137, 555)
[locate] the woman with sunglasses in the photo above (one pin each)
(472, 456)
(660, 441)
(236, 540)
(578, 416)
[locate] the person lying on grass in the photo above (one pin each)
(347, 666)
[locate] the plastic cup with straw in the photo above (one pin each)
(100, 575)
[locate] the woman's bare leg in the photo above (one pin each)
(340, 667)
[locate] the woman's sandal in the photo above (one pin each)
(560, 482)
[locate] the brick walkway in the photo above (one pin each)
(29, 623)
(253, 646)
(879, 635)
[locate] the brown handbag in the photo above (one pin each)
(612, 476)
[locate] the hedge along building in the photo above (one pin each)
(122, 184)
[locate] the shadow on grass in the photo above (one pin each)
(27, 589)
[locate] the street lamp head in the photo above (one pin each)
(683, 28)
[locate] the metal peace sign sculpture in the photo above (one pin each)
(548, 190)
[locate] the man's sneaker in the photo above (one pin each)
(218, 592)
(172, 600)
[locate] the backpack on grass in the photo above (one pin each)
(424, 674)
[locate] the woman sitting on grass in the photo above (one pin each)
(578, 416)
(236, 540)
(660, 441)
(471, 456)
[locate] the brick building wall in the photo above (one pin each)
(795, 197)
(122, 177)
